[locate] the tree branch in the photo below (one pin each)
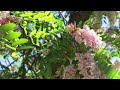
(12, 62)
(63, 17)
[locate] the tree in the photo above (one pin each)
(39, 44)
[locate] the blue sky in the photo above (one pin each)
(107, 24)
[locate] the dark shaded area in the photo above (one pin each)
(79, 16)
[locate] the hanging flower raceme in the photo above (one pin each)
(3, 21)
(5, 18)
(86, 36)
(68, 72)
(87, 66)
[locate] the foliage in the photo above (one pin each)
(38, 44)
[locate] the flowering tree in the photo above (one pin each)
(39, 45)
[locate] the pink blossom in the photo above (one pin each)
(78, 39)
(2, 21)
(71, 27)
(11, 18)
(76, 33)
(87, 66)
(87, 36)
(68, 72)
(85, 27)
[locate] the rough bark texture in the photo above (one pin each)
(79, 16)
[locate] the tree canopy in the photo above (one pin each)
(57, 45)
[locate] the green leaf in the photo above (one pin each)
(66, 28)
(103, 64)
(80, 23)
(20, 41)
(12, 35)
(7, 27)
(98, 54)
(39, 15)
(45, 34)
(37, 41)
(82, 48)
(110, 39)
(33, 33)
(14, 55)
(27, 47)
(47, 12)
(116, 77)
(48, 73)
(32, 40)
(27, 14)
(8, 46)
(117, 41)
(117, 54)
(110, 71)
(39, 34)
(118, 73)
(25, 30)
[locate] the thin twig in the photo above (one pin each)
(5, 62)
(63, 17)
(12, 63)
(8, 60)
(30, 68)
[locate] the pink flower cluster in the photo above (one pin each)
(8, 19)
(3, 21)
(68, 72)
(5, 18)
(86, 65)
(88, 68)
(85, 35)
